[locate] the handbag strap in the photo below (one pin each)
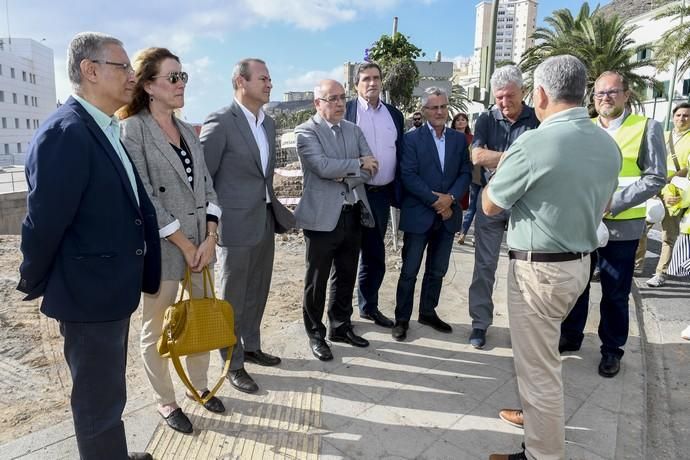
(672, 149)
(175, 358)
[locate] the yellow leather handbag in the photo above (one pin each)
(199, 325)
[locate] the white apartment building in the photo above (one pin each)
(515, 24)
(648, 31)
(27, 95)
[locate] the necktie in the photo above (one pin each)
(339, 137)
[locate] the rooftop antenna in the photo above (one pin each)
(7, 12)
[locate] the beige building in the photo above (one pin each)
(515, 23)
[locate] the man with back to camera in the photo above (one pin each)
(90, 239)
(494, 133)
(568, 159)
(642, 175)
(239, 147)
(382, 125)
(336, 162)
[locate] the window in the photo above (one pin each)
(2, 96)
(19, 147)
(4, 122)
(14, 98)
(36, 101)
(23, 75)
(644, 53)
(686, 87)
(26, 100)
(7, 149)
(28, 124)
(0, 69)
(12, 72)
(16, 123)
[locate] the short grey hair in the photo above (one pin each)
(241, 69)
(563, 78)
(432, 91)
(86, 45)
(503, 76)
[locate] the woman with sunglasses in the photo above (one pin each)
(461, 123)
(168, 156)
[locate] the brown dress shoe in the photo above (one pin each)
(512, 417)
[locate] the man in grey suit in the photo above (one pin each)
(239, 146)
(336, 162)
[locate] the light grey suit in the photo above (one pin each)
(332, 231)
(248, 224)
(165, 181)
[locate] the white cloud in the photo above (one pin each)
(308, 80)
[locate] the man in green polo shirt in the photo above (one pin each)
(557, 180)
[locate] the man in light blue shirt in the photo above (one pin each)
(557, 180)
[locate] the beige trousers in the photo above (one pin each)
(670, 227)
(152, 325)
(540, 296)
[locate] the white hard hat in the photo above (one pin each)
(655, 211)
(602, 234)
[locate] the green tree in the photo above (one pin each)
(601, 44)
(458, 100)
(396, 57)
(675, 42)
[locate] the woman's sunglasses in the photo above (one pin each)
(174, 77)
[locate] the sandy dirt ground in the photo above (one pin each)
(34, 378)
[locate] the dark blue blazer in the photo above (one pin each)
(89, 248)
(399, 121)
(421, 174)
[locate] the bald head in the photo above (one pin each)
(329, 100)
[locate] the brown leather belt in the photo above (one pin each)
(546, 256)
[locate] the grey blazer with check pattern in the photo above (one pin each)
(165, 181)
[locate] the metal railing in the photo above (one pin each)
(12, 180)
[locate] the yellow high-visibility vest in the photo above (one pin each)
(682, 149)
(629, 139)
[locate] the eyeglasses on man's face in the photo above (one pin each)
(417, 119)
(434, 108)
(333, 99)
(174, 77)
(126, 66)
(610, 93)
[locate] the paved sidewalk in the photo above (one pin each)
(431, 397)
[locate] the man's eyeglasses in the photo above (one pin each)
(334, 99)
(434, 108)
(610, 93)
(174, 77)
(416, 119)
(126, 66)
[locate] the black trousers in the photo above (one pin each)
(331, 255)
(96, 354)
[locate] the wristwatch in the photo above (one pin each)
(452, 197)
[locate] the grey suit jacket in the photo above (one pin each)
(165, 181)
(323, 163)
(234, 162)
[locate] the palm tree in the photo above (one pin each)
(458, 100)
(675, 42)
(600, 43)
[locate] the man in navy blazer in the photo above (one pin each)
(435, 171)
(90, 239)
(382, 125)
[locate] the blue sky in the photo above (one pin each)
(302, 41)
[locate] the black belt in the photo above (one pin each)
(375, 188)
(350, 207)
(546, 256)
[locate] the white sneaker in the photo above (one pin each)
(657, 280)
(685, 334)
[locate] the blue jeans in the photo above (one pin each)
(617, 263)
(438, 242)
(372, 264)
(472, 209)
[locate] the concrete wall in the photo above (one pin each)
(12, 212)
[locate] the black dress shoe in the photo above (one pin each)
(242, 381)
(178, 421)
(213, 405)
(566, 345)
(434, 321)
(347, 335)
(139, 456)
(378, 318)
(478, 338)
(320, 349)
(261, 358)
(609, 366)
(399, 331)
